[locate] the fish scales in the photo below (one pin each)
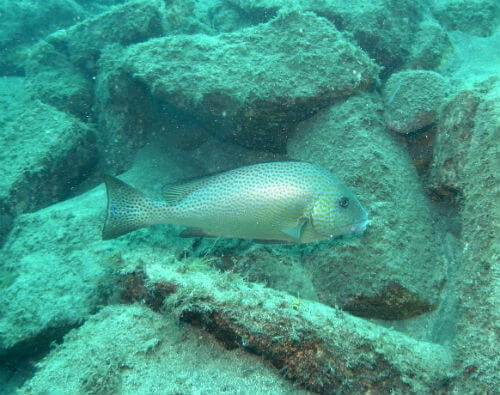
(277, 201)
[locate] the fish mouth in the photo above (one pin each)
(359, 226)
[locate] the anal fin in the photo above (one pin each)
(194, 232)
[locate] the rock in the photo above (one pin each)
(62, 69)
(131, 349)
(54, 268)
(125, 113)
(24, 22)
(451, 145)
(395, 270)
(54, 283)
(241, 87)
(431, 46)
(303, 339)
(391, 33)
(413, 99)
(11, 99)
(466, 162)
(49, 154)
(54, 80)
(132, 22)
(478, 17)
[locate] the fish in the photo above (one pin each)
(288, 202)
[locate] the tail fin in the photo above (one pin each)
(128, 209)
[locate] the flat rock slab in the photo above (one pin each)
(251, 86)
(132, 350)
(48, 153)
(318, 347)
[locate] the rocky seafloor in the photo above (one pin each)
(400, 99)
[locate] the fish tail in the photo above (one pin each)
(128, 209)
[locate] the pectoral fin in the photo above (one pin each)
(296, 231)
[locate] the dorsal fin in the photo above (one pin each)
(174, 193)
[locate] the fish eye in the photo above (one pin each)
(343, 202)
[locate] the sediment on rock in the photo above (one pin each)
(321, 348)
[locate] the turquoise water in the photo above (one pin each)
(384, 280)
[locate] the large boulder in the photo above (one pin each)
(465, 168)
(132, 349)
(24, 22)
(478, 17)
(62, 68)
(250, 86)
(395, 34)
(48, 153)
(395, 270)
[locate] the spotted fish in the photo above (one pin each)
(295, 202)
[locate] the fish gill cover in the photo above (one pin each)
(398, 100)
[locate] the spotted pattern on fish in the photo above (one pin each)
(283, 201)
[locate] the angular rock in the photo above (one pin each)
(467, 163)
(47, 153)
(54, 268)
(388, 31)
(431, 45)
(395, 269)
(478, 17)
(131, 349)
(54, 80)
(11, 99)
(132, 22)
(24, 22)
(413, 99)
(452, 144)
(320, 348)
(250, 86)
(52, 283)
(124, 110)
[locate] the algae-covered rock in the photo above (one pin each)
(430, 48)
(390, 32)
(466, 163)
(250, 86)
(451, 145)
(124, 110)
(53, 79)
(318, 347)
(131, 350)
(23, 22)
(55, 268)
(49, 153)
(478, 17)
(413, 99)
(394, 270)
(132, 22)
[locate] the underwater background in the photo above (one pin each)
(399, 99)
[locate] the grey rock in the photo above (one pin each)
(394, 270)
(132, 22)
(390, 32)
(49, 153)
(465, 171)
(478, 17)
(251, 86)
(24, 22)
(413, 99)
(52, 284)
